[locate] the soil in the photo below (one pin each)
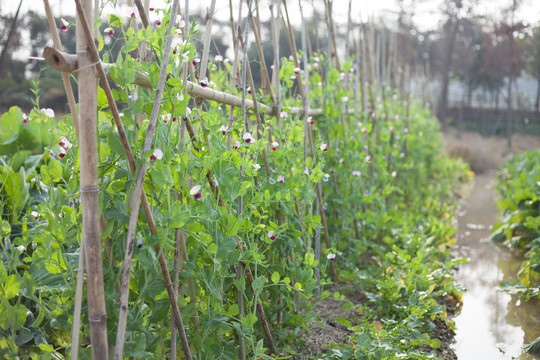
(325, 329)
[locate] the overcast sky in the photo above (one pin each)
(427, 13)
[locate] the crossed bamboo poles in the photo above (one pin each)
(194, 90)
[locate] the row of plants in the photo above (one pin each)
(241, 197)
(519, 228)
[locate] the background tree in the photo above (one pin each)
(533, 62)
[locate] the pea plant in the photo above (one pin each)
(239, 200)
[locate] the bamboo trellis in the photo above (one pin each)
(88, 66)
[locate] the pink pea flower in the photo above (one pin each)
(65, 24)
(109, 31)
(48, 111)
(248, 138)
(132, 11)
(156, 155)
(324, 147)
(195, 192)
(64, 143)
(331, 256)
(310, 120)
(275, 145)
(356, 173)
(166, 118)
(342, 161)
(223, 129)
(394, 174)
(281, 179)
(369, 159)
(62, 153)
(271, 235)
(218, 58)
(236, 145)
(204, 83)
(36, 215)
(185, 57)
(283, 114)
(256, 167)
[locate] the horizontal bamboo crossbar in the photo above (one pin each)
(67, 63)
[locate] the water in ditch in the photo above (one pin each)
(492, 324)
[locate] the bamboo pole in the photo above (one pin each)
(126, 273)
(65, 78)
(249, 275)
(75, 329)
(206, 41)
(245, 68)
(349, 29)
(275, 73)
(131, 161)
(310, 136)
(67, 63)
(97, 314)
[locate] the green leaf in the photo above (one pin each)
(258, 284)
(24, 336)
(212, 248)
(12, 317)
(11, 287)
(177, 217)
(115, 20)
(16, 192)
(233, 310)
(275, 277)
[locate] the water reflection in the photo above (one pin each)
(492, 324)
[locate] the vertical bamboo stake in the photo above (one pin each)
(75, 117)
(97, 314)
(310, 137)
(206, 41)
(245, 67)
(126, 273)
(349, 29)
(275, 73)
(65, 77)
(316, 28)
(129, 155)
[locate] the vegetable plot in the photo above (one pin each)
(226, 252)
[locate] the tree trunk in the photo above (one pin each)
(537, 102)
(510, 79)
(97, 315)
(10, 34)
(442, 109)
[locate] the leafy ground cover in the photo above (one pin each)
(239, 200)
(518, 186)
